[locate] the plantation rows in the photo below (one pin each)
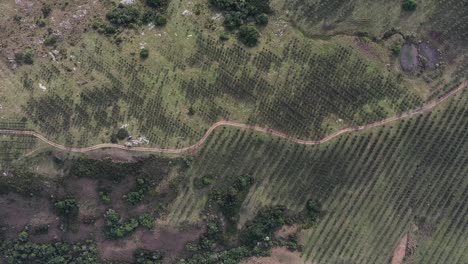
(12, 146)
(299, 91)
(308, 86)
(451, 20)
(374, 185)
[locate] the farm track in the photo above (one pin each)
(194, 147)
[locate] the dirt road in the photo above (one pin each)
(270, 131)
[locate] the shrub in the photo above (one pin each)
(314, 210)
(249, 35)
(224, 36)
(233, 20)
(157, 3)
(203, 182)
(396, 49)
(135, 197)
(46, 10)
(146, 221)
(409, 5)
(160, 20)
(67, 207)
(262, 19)
(144, 53)
(263, 225)
(143, 256)
(28, 56)
(112, 217)
(51, 40)
(40, 23)
(105, 197)
(122, 134)
(124, 16)
(104, 28)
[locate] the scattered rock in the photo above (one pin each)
(187, 13)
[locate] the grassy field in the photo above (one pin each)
(304, 87)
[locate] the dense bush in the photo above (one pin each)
(147, 221)
(115, 229)
(67, 207)
(230, 200)
(27, 57)
(237, 12)
(138, 194)
(157, 3)
(143, 256)
(144, 53)
(262, 19)
(89, 168)
(314, 209)
(24, 251)
(396, 49)
(160, 20)
(409, 5)
(21, 182)
(248, 35)
(233, 20)
(124, 16)
(262, 227)
(122, 134)
(104, 28)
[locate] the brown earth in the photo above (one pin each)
(400, 250)
(286, 231)
(67, 20)
(279, 255)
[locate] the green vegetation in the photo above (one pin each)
(115, 229)
(396, 49)
(248, 35)
(144, 53)
(24, 251)
(143, 256)
(51, 40)
(147, 221)
(124, 16)
(105, 197)
(230, 199)
(137, 195)
(238, 13)
(67, 207)
(203, 182)
(262, 19)
(46, 10)
(122, 134)
(409, 5)
(27, 57)
(159, 4)
(261, 228)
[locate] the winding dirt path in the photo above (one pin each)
(270, 131)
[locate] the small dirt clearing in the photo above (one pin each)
(279, 255)
(400, 250)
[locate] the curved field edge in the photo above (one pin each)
(374, 185)
(425, 108)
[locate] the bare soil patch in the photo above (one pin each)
(400, 250)
(286, 231)
(279, 255)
